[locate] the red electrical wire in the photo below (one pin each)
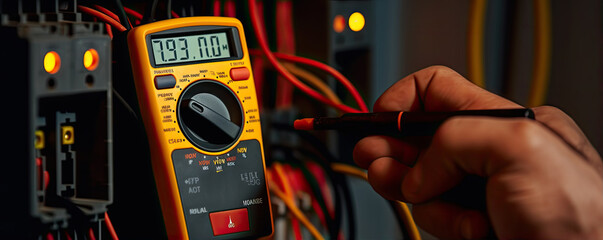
(318, 172)
(135, 14)
(109, 13)
(261, 36)
(230, 9)
(175, 15)
(259, 67)
(295, 187)
(336, 74)
(102, 17)
(282, 179)
(91, 234)
(217, 7)
(320, 214)
(67, 235)
(305, 187)
(109, 31)
(285, 10)
(284, 43)
(46, 179)
(110, 227)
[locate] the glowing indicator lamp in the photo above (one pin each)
(339, 24)
(91, 59)
(52, 62)
(356, 21)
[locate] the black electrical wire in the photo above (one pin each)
(149, 13)
(168, 7)
(123, 18)
(124, 103)
(180, 7)
(349, 205)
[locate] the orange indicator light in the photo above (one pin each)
(356, 21)
(91, 59)
(52, 62)
(339, 24)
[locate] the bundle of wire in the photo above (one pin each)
(282, 188)
(297, 175)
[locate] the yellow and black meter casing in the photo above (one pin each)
(199, 107)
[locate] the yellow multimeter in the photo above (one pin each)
(199, 106)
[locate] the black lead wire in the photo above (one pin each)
(149, 13)
(123, 18)
(349, 205)
(168, 7)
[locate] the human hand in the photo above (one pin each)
(544, 178)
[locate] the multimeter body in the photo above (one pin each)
(199, 107)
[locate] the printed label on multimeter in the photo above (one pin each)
(199, 106)
(206, 183)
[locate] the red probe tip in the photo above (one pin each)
(304, 124)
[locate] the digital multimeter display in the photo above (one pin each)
(190, 48)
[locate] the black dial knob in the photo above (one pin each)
(210, 115)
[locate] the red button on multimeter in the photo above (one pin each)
(203, 127)
(230, 221)
(241, 73)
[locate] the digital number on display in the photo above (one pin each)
(190, 48)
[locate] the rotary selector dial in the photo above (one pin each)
(210, 115)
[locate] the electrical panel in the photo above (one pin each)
(58, 74)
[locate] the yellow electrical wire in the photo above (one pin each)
(409, 222)
(542, 53)
(349, 170)
(313, 80)
(287, 188)
(295, 210)
(475, 42)
(278, 168)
